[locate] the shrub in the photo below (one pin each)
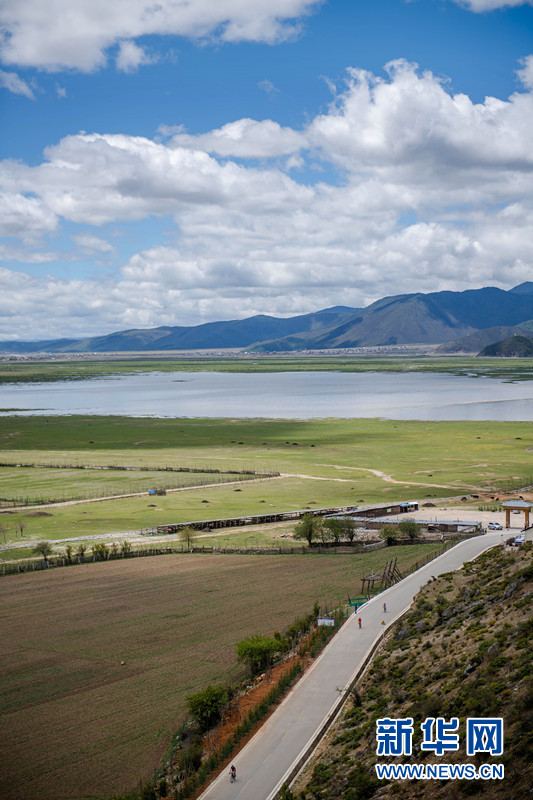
(206, 706)
(258, 652)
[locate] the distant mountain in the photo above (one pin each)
(513, 347)
(475, 342)
(211, 335)
(523, 288)
(417, 318)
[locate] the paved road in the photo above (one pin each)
(270, 756)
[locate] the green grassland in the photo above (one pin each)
(57, 369)
(98, 659)
(41, 485)
(322, 463)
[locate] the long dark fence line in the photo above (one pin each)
(150, 468)
(54, 561)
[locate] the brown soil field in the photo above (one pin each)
(98, 659)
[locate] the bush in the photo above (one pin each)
(258, 652)
(206, 706)
(191, 757)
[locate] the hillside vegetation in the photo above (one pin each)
(514, 347)
(464, 650)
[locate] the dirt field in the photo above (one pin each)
(98, 659)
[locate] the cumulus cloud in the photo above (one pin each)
(431, 191)
(412, 119)
(52, 37)
(13, 83)
(245, 138)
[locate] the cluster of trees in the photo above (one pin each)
(406, 529)
(334, 529)
(99, 550)
(341, 529)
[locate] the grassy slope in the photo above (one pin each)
(463, 650)
(75, 721)
(428, 459)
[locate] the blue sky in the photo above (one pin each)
(214, 159)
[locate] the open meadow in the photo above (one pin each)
(78, 723)
(322, 463)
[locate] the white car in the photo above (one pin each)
(494, 526)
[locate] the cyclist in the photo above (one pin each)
(233, 773)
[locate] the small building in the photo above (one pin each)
(516, 505)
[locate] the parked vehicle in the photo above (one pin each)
(494, 526)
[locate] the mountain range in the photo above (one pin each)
(467, 321)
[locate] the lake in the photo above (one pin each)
(280, 395)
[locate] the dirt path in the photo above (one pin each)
(376, 472)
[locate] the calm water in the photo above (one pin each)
(283, 395)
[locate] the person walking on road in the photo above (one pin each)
(384, 608)
(233, 774)
(360, 623)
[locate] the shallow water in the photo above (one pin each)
(280, 395)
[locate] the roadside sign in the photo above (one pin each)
(326, 621)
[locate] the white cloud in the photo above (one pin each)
(245, 138)
(93, 244)
(53, 36)
(525, 74)
(268, 87)
(436, 193)
(412, 120)
(130, 57)
(13, 83)
(491, 5)
(25, 217)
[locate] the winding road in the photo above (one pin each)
(277, 751)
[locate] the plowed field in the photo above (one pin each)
(97, 659)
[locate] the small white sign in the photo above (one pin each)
(326, 621)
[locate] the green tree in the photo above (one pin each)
(334, 526)
(309, 528)
(341, 528)
(258, 652)
(187, 536)
(408, 527)
(348, 529)
(389, 533)
(80, 552)
(206, 706)
(43, 549)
